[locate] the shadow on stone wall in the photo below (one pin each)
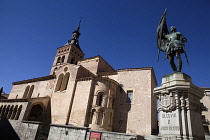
(44, 130)
(121, 111)
(6, 131)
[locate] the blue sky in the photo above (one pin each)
(123, 32)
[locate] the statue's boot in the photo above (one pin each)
(173, 66)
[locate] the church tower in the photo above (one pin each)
(70, 53)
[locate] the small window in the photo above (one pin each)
(59, 82)
(63, 58)
(65, 82)
(30, 91)
(58, 60)
(26, 92)
(100, 100)
(129, 96)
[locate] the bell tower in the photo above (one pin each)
(70, 53)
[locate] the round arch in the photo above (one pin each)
(36, 113)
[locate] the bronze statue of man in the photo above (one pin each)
(175, 47)
(172, 44)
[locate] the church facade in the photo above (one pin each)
(84, 92)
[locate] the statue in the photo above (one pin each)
(172, 44)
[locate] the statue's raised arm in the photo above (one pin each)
(170, 43)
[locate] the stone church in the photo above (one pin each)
(82, 95)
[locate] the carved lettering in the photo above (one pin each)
(173, 115)
(170, 128)
(169, 138)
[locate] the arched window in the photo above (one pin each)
(6, 112)
(10, 112)
(59, 82)
(58, 60)
(1, 110)
(26, 92)
(14, 112)
(100, 98)
(30, 91)
(65, 82)
(62, 82)
(18, 112)
(63, 58)
(36, 113)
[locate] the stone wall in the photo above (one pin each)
(80, 103)
(139, 116)
(61, 99)
(25, 130)
(61, 132)
(90, 64)
(105, 135)
(41, 89)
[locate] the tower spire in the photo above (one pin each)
(78, 27)
(75, 36)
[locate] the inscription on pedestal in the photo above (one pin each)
(169, 123)
(169, 137)
(170, 128)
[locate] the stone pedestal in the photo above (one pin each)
(179, 108)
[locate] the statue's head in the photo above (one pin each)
(173, 29)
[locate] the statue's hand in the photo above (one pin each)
(184, 40)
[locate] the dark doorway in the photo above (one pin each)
(36, 113)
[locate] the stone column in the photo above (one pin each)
(189, 120)
(183, 117)
(179, 108)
